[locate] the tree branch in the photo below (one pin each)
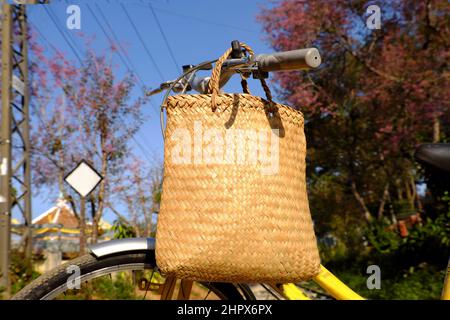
(383, 200)
(361, 202)
(118, 214)
(345, 42)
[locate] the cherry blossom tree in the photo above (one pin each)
(83, 112)
(377, 95)
(139, 192)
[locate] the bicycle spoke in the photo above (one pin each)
(270, 291)
(209, 291)
(149, 284)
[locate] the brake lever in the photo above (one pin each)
(164, 86)
(207, 66)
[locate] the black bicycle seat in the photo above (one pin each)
(436, 155)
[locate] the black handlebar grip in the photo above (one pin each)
(289, 60)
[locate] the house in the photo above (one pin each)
(57, 235)
(57, 229)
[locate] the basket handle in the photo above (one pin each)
(213, 85)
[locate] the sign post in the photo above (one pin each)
(83, 179)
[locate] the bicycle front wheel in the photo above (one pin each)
(134, 273)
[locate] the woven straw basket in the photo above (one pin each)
(234, 206)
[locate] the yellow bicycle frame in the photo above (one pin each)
(326, 280)
(338, 290)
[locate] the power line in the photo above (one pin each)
(69, 34)
(63, 35)
(142, 41)
(154, 63)
(120, 46)
(118, 53)
(46, 127)
(210, 22)
(164, 37)
(43, 37)
(143, 150)
(111, 41)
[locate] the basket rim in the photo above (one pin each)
(230, 95)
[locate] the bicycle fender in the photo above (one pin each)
(107, 248)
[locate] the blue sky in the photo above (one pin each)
(196, 31)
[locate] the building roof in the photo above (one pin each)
(60, 214)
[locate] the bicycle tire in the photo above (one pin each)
(54, 282)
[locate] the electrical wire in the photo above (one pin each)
(63, 35)
(132, 69)
(202, 20)
(138, 144)
(119, 44)
(43, 37)
(112, 42)
(164, 37)
(142, 42)
(69, 34)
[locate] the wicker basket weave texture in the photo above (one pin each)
(229, 221)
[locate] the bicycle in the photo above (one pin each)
(137, 254)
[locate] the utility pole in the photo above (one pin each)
(5, 151)
(15, 178)
(20, 112)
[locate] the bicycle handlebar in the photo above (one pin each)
(259, 65)
(299, 59)
(289, 60)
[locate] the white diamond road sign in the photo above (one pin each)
(83, 179)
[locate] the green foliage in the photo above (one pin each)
(337, 252)
(121, 288)
(21, 273)
(157, 196)
(122, 230)
(403, 209)
(431, 240)
(411, 268)
(433, 234)
(382, 239)
(416, 283)
(362, 125)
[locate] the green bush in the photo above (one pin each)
(420, 283)
(21, 273)
(380, 238)
(411, 268)
(122, 230)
